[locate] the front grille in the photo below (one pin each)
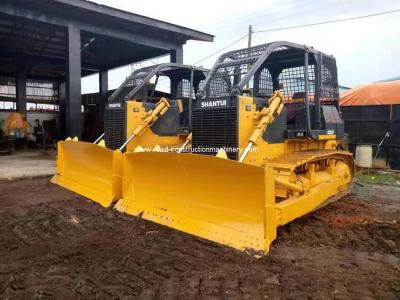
(213, 129)
(114, 127)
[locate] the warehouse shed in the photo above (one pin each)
(372, 116)
(46, 46)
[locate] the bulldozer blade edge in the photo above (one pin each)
(217, 199)
(231, 203)
(89, 170)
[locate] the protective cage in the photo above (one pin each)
(304, 72)
(182, 81)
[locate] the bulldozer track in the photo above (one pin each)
(77, 249)
(286, 164)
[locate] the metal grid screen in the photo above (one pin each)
(135, 79)
(214, 129)
(232, 66)
(265, 85)
(293, 81)
(329, 81)
(229, 70)
(114, 127)
(183, 89)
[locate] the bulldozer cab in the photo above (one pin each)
(307, 79)
(145, 87)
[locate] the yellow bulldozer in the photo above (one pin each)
(266, 127)
(150, 110)
(265, 150)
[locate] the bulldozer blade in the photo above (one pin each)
(89, 170)
(214, 198)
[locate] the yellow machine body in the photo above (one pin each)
(238, 204)
(94, 171)
(147, 138)
(240, 201)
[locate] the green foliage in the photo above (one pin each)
(378, 177)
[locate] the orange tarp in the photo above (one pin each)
(380, 93)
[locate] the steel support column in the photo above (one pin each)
(73, 115)
(61, 107)
(177, 55)
(21, 89)
(103, 90)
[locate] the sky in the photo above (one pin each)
(366, 50)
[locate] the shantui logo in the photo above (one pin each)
(215, 103)
(114, 105)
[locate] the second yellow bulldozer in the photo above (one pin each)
(266, 128)
(148, 111)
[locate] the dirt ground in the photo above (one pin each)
(55, 244)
